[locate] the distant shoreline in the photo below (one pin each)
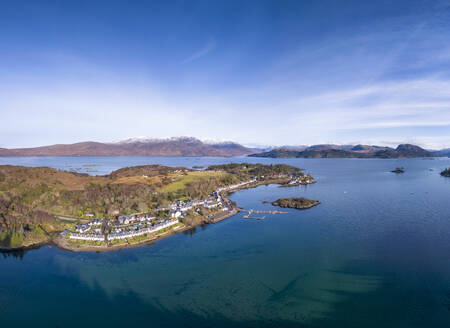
(359, 151)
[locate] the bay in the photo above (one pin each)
(374, 253)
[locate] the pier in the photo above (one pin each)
(254, 217)
(251, 211)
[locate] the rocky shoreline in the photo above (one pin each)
(62, 244)
(26, 248)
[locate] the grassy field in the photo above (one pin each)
(138, 180)
(181, 181)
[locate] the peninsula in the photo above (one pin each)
(130, 206)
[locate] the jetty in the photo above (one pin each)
(254, 217)
(264, 212)
(251, 211)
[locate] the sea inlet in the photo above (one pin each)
(374, 253)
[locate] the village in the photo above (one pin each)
(126, 228)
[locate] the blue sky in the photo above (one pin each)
(257, 72)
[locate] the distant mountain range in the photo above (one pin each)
(349, 151)
(443, 152)
(189, 146)
(177, 146)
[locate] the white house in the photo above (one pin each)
(175, 213)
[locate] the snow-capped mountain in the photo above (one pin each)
(140, 146)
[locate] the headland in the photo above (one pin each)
(129, 207)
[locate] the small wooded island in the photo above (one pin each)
(128, 207)
(300, 203)
(446, 172)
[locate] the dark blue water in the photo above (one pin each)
(375, 253)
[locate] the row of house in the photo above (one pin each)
(234, 186)
(91, 237)
(83, 228)
(127, 219)
(125, 234)
(96, 222)
(301, 180)
(212, 203)
(139, 232)
(179, 208)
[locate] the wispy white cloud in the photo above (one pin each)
(207, 48)
(408, 103)
(381, 112)
(107, 106)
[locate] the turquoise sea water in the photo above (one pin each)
(375, 253)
